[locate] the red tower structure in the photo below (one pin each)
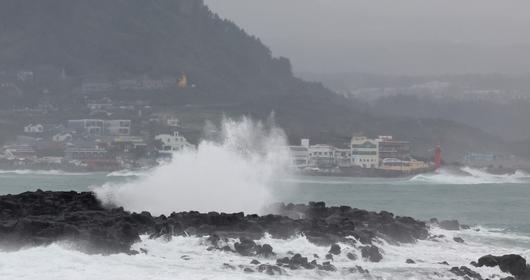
(438, 157)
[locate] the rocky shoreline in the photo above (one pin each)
(41, 218)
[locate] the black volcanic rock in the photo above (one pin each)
(39, 218)
(458, 239)
(335, 249)
(465, 271)
(513, 264)
(371, 253)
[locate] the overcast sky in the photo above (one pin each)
(390, 36)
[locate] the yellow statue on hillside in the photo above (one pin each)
(183, 81)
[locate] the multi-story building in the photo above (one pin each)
(300, 154)
(97, 127)
(117, 127)
(85, 153)
(322, 156)
(364, 152)
(19, 152)
(96, 86)
(172, 143)
(390, 148)
(34, 128)
(343, 157)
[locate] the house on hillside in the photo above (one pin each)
(34, 128)
(98, 127)
(62, 137)
(172, 143)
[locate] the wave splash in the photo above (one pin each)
(232, 173)
(470, 176)
(188, 258)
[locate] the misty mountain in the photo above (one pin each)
(495, 103)
(508, 120)
(120, 38)
(232, 73)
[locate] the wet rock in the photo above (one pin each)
(488, 260)
(464, 271)
(450, 225)
(296, 262)
(465, 227)
(410, 261)
(255, 262)
(513, 264)
(458, 239)
(185, 257)
(265, 250)
(226, 248)
(329, 257)
(444, 263)
(245, 247)
(214, 239)
(41, 218)
(371, 253)
(248, 270)
(351, 256)
(358, 269)
(270, 269)
(327, 266)
(335, 249)
(228, 266)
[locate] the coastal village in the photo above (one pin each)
(103, 134)
(383, 157)
(115, 144)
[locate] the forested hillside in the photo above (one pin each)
(232, 72)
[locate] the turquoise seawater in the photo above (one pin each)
(481, 199)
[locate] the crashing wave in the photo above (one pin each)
(470, 176)
(232, 173)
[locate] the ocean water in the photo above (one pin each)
(245, 169)
(495, 206)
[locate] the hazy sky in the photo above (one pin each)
(390, 36)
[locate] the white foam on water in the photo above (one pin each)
(188, 258)
(473, 177)
(232, 174)
(129, 173)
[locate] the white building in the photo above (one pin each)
(364, 152)
(300, 154)
(173, 122)
(172, 143)
(343, 157)
(99, 127)
(34, 128)
(117, 127)
(322, 156)
(62, 137)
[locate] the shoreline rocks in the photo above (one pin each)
(512, 264)
(40, 218)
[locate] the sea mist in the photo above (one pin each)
(233, 172)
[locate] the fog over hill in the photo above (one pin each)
(408, 37)
(232, 72)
